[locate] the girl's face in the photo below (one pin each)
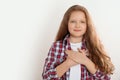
(77, 24)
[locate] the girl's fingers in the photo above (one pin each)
(82, 51)
(79, 50)
(68, 52)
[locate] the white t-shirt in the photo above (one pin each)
(75, 71)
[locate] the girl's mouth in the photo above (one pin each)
(77, 30)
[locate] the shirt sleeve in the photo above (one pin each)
(49, 70)
(100, 76)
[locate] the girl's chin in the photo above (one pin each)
(76, 36)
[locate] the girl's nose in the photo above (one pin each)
(78, 25)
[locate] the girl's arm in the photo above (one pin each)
(81, 58)
(53, 69)
(95, 74)
(49, 71)
(62, 68)
(90, 66)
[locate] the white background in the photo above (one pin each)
(28, 28)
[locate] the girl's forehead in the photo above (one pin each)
(77, 14)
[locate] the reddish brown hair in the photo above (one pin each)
(93, 44)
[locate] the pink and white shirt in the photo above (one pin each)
(57, 55)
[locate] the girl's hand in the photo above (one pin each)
(79, 57)
(70, 62)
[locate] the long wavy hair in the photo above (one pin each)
(96, 50)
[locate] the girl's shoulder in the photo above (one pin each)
(57, 43)
(57, 46)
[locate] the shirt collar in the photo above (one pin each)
(67, 42)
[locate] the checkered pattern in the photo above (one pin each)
(57, 55)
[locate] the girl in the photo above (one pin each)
(77, 53)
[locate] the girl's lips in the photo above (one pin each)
(77, 30)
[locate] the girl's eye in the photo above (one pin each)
(83, 22)
(72, 21)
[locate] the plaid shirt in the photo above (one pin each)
(57, 55)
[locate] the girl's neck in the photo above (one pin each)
(75, 39)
